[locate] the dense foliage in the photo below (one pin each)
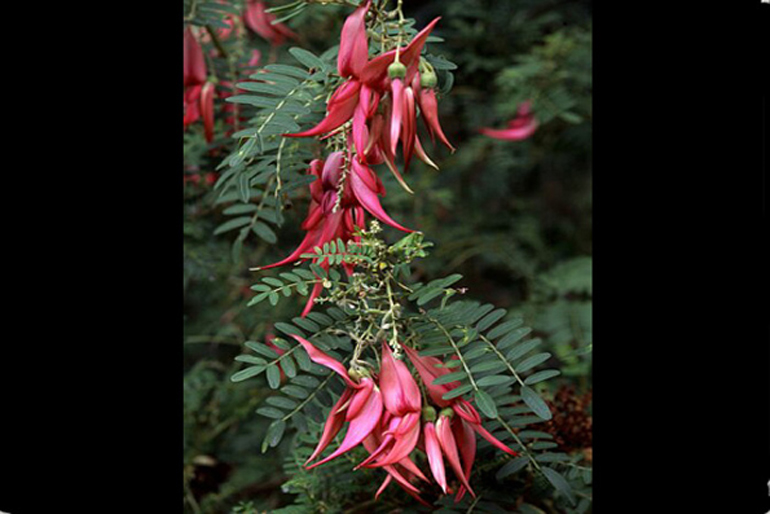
(501, 293)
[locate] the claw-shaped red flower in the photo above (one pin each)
(360, 405)
(198, 92)
(521, 127)
(261, 22)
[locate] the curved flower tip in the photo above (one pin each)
(519, 128)
(257, 19)
(370, 202)
(319, 357)
(362, 425)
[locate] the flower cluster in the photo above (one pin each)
(387, 414)
(373, 109)
(381, 97)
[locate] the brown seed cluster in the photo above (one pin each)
(571, 425)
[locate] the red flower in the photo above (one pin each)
(383, 80)
(198, 92)
(360, 405)
(261, 22)
(521, 127)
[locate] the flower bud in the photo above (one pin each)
(396, 70)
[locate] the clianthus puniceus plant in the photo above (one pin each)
(408, 383)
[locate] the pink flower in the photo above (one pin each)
(198, 92)
(261, 22)
(521, 127)
(360, 405)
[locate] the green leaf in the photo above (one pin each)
(520, 350)
(425, 298)
(295, 391)
(274, 434)
(306, 58)
(533, 361)
(512, 337)
(457, 391)
(494, 380)
(490, 365)
(265, 232)
(534, 402)
(232, 224)
(247, 373)
(287, 363)
(486, 404)
(282, 401)
(273, 376)
(504, 327)
(541, 376)
(450, 377)
(512, 467)
(490, 319)
(270, 412)
(272, 281)
(559, 482)
(250, 359)
(262, 349)
(305, 381)
(284, 69)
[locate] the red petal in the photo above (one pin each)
(397, 93)
(339, 113)
(408, 432)
(207, 110)
(376, 71)
(354, 51)
(492, 439)
(433, 451)
(511, 134)
(369, 201)
(319, 357)
(449, 447)
(332, 426)
(409, 129)
(307, 244)
(360, 427)
(466, 442)
(424, 157)
(194, 62)
(330, 176)
(429, 109)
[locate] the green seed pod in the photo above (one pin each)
(396, 70)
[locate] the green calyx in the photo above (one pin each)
(396, 70)
(357, 373)
(428, 79)
(447, 413)
(428, 413)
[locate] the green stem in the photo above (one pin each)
(457, 351)
(502, 358)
